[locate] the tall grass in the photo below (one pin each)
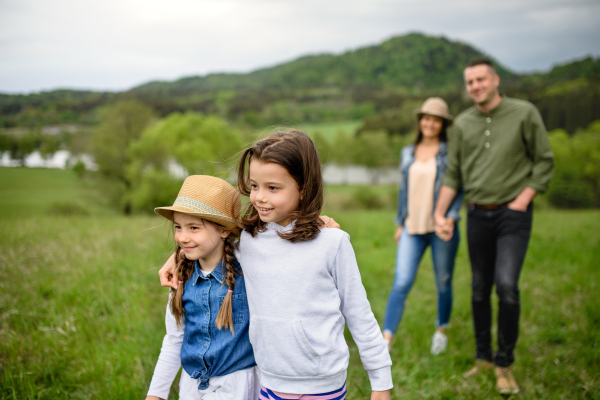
(82, 312)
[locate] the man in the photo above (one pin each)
(500, 154)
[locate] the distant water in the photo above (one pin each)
(332, 174)
(62, 159)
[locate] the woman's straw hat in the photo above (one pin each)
(434, 106)
(208, 198)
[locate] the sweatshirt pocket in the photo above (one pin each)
(281, 347)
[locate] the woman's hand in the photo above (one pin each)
(381, 395)
(167, 279)
(444, 228)
(398, 234)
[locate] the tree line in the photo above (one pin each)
(142, 158)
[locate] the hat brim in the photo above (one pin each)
(228, 223)
(418, 113)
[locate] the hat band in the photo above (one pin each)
(198, 206)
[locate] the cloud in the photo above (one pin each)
(118, 44)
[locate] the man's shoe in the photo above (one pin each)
(438, 343)
(505, 381)
(480, 365)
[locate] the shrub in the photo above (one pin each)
(365, 198)
(576, 181)
(67, 209)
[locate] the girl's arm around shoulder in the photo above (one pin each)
(169, 360)
(356, 309)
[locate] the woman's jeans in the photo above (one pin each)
(498, 242)
(410, 251)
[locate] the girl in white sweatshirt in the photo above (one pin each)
(303, 284)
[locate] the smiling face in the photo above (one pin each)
(430, 126)
(273, 192)
(200, 240)
(482, 84)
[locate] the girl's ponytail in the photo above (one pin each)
(183, 271)
(225, 316)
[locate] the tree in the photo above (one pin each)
(323, 146)
(122, 123)
(50, 144)
(343, 150)
(24, 145)
(198, 143)
(576, 181)
(373, 150)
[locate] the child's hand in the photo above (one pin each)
(153, 398)
(167, 279)
(328, 222)
(384, 395)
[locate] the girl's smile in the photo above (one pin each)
(199, 239)
(274, 193)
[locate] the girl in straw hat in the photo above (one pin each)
(303, 283)
(423, 165)
(207, 316)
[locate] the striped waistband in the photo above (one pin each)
(340, 394)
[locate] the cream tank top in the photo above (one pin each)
(421, 184)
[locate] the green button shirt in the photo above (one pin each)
(495, 156)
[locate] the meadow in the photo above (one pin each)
(82, 311)
(330, 129)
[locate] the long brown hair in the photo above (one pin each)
(295, 152)
(184, 269)
(443, 136)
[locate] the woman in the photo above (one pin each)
(422, 166)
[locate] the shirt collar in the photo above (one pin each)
(497, 109)
(218, 273)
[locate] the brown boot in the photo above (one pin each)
(505, 381)
(480, 365)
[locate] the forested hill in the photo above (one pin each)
(413, 61)
(377, 83)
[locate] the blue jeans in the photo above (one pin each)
(410, 252)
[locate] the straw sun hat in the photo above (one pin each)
(434, 106)
(208, 198)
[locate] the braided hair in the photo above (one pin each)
(184, 269)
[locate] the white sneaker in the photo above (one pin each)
(438, 343)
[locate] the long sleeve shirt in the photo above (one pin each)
(301, 296)
(495, 156)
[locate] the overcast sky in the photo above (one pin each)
(118, 44)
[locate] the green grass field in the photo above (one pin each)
(82, 312)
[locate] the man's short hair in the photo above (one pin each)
(482, 61)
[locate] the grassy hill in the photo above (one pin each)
(331, 87)
(413, 61)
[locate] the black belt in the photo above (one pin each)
(489, 206)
